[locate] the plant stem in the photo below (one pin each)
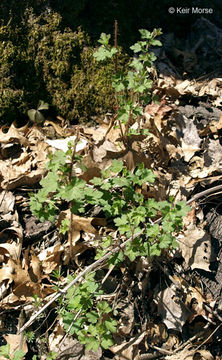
(70, 233)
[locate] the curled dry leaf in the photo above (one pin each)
(100, 152)
(213, 154)
(51, 258)
(127, 319)
(7, 202)
(196, 249)
(16, 176)
(14, 135)
(174, 312)
(12, 250)
(97, 134)
(82, 223)
(194, 301)
(188, 135)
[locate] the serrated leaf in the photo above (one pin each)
(165, 241)
(107, 342)
(104, 307)
(104, 39)
(168, 226)
(116, 258)
(91, 343)
(5, 350)
(92, 317)
(136, 63)
(50, 182)
(145, 34)
(182, 208)
(123, 115)
(92, 196)
(96, 181)
(74, 190)
(153, 230)
(110, 325)
(104, 53)
(118, 84)
(155, 43)
(18, 355)
(116, 167)
(64, 226)
(58, 159)
(136, 48)
(145, 175)
(155, 250)
(106, 186)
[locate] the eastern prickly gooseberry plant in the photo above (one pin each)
(133, 88)
(119, 195)
(86, 316)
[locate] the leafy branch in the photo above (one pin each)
(133, 89)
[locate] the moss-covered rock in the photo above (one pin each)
(40, 60)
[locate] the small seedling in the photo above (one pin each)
(36, 115)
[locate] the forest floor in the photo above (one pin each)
(169, 307)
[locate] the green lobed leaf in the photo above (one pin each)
(5, 350)
(104, 307)
(116, 167)
(111, 325)
(73, 190)
(50, 182)
(58, 159)
(116, 258)
(182, 208)
(92, 317)
(145, 34)
(91, 343)
(155, 43)
(104, 39)
(18, 355)
(155, 250)
(104, 53)
(107, 341)
(96, 181)
(152, 231)
(136, 47)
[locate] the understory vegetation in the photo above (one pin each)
(100, 255)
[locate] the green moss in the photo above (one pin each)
(39, 60)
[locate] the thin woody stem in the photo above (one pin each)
(70, 233)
